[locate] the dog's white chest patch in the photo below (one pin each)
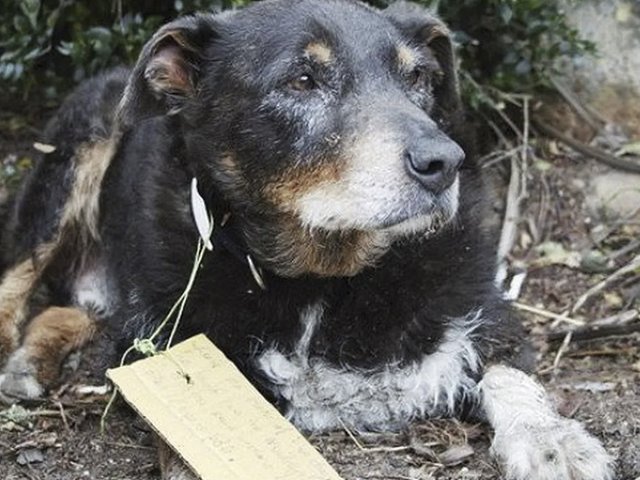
(323, 396)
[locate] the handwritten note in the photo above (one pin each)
(221, 426)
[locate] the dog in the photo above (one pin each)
(351, 277)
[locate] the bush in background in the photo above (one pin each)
(46, 46)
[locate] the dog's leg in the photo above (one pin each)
(49, 339)
(15, 290)
(531, 439)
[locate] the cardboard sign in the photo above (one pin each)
(209, 413)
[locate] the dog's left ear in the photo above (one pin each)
(168, 70)
(422, 27)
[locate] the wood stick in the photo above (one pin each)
(594, 332)
(631, 267)
(588, 150)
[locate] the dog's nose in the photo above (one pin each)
(434, 163)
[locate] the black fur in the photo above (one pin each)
(394, 311)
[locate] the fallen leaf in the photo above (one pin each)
(629, 149)
(553, 148)
(455, 455)
(553, 253)
(542, 165)
(16, 414)
(613, 300)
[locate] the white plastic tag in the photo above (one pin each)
(201, 215)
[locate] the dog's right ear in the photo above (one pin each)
(167, 73)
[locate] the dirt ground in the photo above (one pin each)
(596, 381)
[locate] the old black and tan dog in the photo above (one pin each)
(351, 277)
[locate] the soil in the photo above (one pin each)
(595, 381)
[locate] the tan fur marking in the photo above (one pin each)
(52, 336)
(80, 215)
(298, 250)
(228, 172)
(320, 52)
(285, 190)
(230, 168)
(302, 250)
(228, 162)
(407, 58)
(15, 290)
(91, 163)
(326, 253)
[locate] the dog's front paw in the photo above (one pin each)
(561, 450)
(18, 380)
(531, 439)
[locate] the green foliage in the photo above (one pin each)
(12, 171)
(513, 45)
(47, 45)
(508, 45)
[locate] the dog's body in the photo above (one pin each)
(351, 278)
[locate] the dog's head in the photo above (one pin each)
(323, 124)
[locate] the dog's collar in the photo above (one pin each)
(224, 238)
(221, 237)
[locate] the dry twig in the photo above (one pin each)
(588, 150)
(63, 416)
(632, 266)
(623, 326)
(372, 449)
(590, 117)
(630, 247)
(547, 314)
(561, 351)
(517, 190)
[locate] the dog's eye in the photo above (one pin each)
(418, 78)
(303, 83)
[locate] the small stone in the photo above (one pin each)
(593, 387)
(614, 194)
(29, 456)
(594, 261)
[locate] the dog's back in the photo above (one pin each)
(86, 116)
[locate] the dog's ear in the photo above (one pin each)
(422, 27)
(167, 73)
